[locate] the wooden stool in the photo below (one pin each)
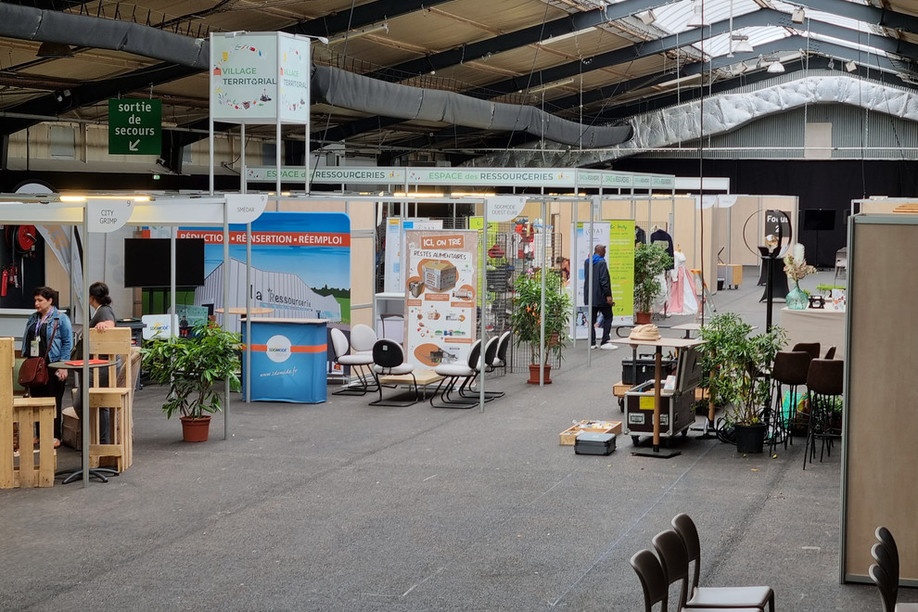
(26, 412)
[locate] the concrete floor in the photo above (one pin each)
(345, 506)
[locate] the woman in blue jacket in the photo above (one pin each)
(49, 325)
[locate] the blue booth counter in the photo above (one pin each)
(288, 360)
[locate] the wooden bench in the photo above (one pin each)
(24, 412)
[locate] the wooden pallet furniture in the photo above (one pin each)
(24, 412)
(118, 396)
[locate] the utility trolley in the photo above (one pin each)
(676, 407)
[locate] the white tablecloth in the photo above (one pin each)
(815, 325)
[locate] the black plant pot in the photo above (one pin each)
(750, 438)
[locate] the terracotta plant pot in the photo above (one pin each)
(534, 374)
(195, 429)
(643, 318)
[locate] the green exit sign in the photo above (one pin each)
(135, 127)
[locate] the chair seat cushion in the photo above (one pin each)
(405, 368)
(738, 597)
(454, 369)
(355, 359)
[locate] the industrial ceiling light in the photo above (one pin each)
(741, 43)
(850, 66)
(548, 86)
(798, 15)
(54, 49)
(648, 17)
(831, 65)
(379, 27)
(776, 67)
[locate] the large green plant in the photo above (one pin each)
(650, 261)
(527, 313)
(735, 365)
(192, 366)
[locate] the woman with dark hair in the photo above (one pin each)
(100, 307)
(101, 316)
(48, 333)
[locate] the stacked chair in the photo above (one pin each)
(457, 377)
(885, 572)
(677, 549)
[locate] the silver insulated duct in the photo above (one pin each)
(723, 113)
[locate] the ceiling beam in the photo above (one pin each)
(512, 40)
(359, 16)
(90, 93)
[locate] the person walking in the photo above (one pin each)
(597, 269)
(49, 326)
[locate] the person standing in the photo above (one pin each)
(597, 269)
(49, 333)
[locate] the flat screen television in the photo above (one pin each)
(819, 220)
(147, 262)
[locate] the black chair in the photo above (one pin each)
(452, 374)
(830, 353)
(653, 579)
(755, 597)
(825, 381)
(885, 572)
(789, 369)
(490, 357)
(389, 360)
(500, 358)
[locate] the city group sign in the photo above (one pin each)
(260, 77)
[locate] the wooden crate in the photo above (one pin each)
(569, 435)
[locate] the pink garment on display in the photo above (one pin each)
(682, 298)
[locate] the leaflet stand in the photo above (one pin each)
(657, 391)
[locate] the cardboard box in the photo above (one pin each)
(71, 434)
(569, 435)
(440, 275)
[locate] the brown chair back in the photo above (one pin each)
(810, 347)
(826, 376)
(791, 367)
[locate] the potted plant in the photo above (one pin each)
(192, 366)
(527, 318)
(735, 363)
(650, 261)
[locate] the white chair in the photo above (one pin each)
(452, 374)
(389, 360)
(360, 361)
(841, 264)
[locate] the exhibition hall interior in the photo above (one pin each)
(458, 305)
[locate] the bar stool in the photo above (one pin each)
(825, 381)
(115, 345)
(810, 347)
(790, 368)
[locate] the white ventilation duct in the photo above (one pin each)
(725, 113)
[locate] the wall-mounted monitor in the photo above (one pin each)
(818, 220)
(147, 262)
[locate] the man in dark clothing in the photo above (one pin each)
(596, 268)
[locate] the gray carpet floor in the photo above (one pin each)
(345, 506)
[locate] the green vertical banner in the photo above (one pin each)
(620, 256)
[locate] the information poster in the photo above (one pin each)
(620, 255)
(440, 321)
(395, 248)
